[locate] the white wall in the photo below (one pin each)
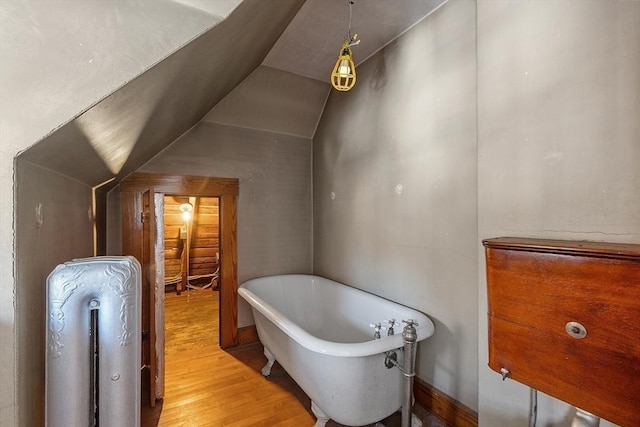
(559, 145)
(395, 188)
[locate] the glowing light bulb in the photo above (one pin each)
(345, 69)
(186, 209)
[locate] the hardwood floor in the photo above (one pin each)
(207, 386)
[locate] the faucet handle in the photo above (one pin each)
(410, 322)
(391, 323)
(377, 327)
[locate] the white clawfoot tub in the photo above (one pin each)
(319, 331)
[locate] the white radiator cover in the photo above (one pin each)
(112, 285)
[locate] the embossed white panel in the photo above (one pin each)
(112, 286)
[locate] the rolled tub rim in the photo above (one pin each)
(424, 330)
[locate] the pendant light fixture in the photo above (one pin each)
(343, 76)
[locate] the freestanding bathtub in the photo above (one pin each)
(319, 331)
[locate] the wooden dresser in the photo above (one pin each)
(564, 318)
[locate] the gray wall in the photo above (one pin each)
(559, 144)
(65, 212)
(274, 205)
(255, 135)
(114, 222)
(395, 188)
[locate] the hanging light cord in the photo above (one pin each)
(350, 12)
(352, 40)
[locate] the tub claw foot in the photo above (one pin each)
(266, 369)
(415, 421)
(321, 417)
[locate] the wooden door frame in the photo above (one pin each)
(227, 190)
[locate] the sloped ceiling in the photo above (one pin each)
(58, 58)
(310, 45)
(274, 101)
(126, 129)
(213, 7)
(287, 93)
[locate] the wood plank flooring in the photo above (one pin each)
(207, 386)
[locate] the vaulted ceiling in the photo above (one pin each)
(123, 129)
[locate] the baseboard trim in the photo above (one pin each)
(247, 335)
(449, 410)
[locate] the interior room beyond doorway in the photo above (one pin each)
(191, 243)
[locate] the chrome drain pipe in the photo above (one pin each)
(409, 338)
(533, 407)
(584, 419)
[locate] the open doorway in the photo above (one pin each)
(139, 237)
(188, 262)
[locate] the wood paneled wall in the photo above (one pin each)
(204, 238)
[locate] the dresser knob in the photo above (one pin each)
(576, 330)
(505, 373)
